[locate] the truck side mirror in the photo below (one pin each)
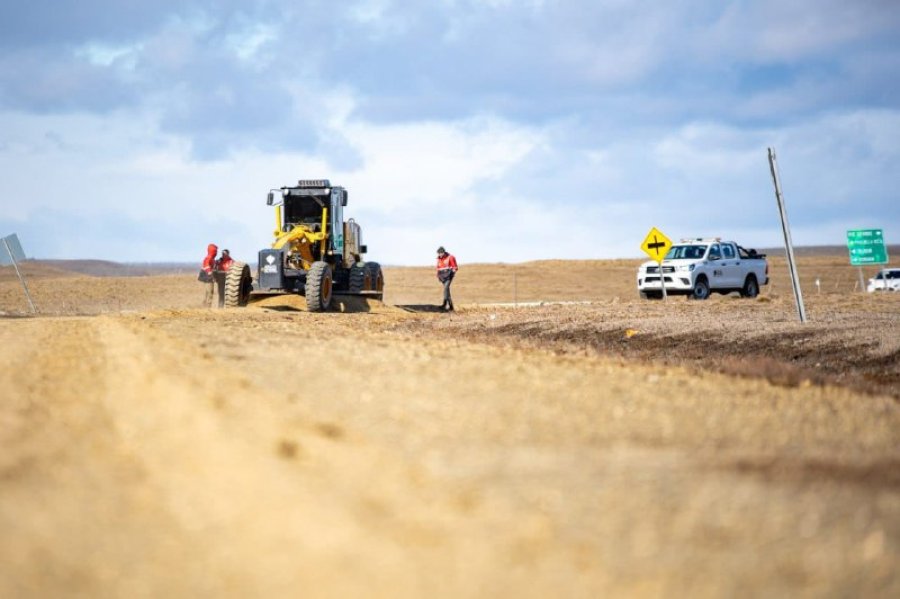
(270, 199)
(344, 196)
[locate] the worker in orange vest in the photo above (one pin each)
(225, 262)
(446, 270)
(207, 273)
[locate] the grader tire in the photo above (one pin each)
(376, 278)
(318, 287)
(359, 280)
(238, 284)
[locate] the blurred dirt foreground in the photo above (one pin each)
(610, 447)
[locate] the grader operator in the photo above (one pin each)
(315, 253)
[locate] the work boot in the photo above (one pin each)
(444, 306)
(450, 306)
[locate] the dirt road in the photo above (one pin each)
(273, 452)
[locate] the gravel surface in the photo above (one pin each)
(851, 341)
(610, 448)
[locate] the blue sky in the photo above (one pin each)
(505, 130)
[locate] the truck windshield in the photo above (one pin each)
(686, 252)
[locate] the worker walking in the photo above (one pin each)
(446, 270)
(221, 272)
(206, 275)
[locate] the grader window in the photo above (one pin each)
(304, 210)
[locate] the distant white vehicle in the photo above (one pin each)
(886, 280)
(699, 267)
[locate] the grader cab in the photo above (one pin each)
(316, 253)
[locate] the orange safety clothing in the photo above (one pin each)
(209, 263)
(225, 263)
(446, 266)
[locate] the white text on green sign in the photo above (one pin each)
(866, 246)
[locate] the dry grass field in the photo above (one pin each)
(556, 436)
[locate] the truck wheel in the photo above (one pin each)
(318, 287)
(238, 283)
(751, 287)
(701, 289)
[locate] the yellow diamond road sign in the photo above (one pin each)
(656, 245)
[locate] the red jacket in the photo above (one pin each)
(446, 266)
(224, 264)
(209, 263)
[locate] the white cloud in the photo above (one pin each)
(705, 149)
(417, 166)
(248, 43)
(106, 55)
(380, 18)
(505, 130)
(775, 30)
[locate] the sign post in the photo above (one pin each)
(14, 251)
(786, 229)
(866, 246)
(656, 245)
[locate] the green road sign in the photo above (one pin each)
(866, 247)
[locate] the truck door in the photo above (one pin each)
(732, 270)
(715, 270)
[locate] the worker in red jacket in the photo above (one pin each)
(207, 273)
(225, 262)
(446, 270)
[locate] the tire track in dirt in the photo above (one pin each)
(588, 467)
(850, 349)
(255, 453)
(75, 511)
(171, 474)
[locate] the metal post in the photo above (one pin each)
(862, 279)
(19, 274)
(786, 228)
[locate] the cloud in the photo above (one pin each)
(507, 129)
(486, 187)
(425, 166)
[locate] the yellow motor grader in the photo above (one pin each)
(316, 253)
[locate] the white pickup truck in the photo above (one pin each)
(698, 267)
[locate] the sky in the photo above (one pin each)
(504, 130)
